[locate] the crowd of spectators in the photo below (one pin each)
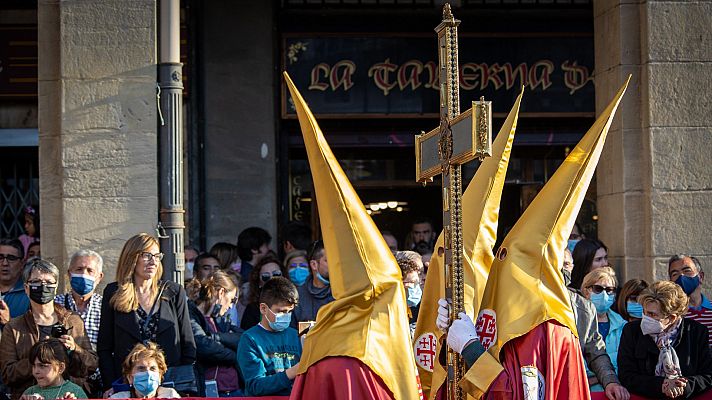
(235, 329)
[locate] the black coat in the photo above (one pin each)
(214, 349)
(120, 332)
(638, 356)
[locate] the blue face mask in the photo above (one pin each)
(603, 301)
(281, 321)
(322, 279)
(299, 275)
(82, 284)
(571, 244)
(146, 382)
(634, 309)
(688, 283)
(414, 293)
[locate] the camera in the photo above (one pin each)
(59, 330)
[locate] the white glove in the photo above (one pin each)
(461, 332)
(443, 320)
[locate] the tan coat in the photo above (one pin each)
(22, 332)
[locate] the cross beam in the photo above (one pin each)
(460, 138)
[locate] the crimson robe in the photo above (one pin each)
(549, 358)
(339, 378)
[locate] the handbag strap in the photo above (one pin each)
(153, 307)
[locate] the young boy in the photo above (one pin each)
(268, 353)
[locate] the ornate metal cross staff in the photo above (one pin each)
(460, 138)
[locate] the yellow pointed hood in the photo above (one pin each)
(525, 286)
(480, 209)
(368, 318)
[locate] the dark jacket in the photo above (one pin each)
(120, 332)
(311, 299)
(213, 349)
(638, 356)
(21, 333)
(251, 316)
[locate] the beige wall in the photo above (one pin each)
(97, 125)
(655, 176)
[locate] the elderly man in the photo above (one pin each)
(13, 300)
(84, 273)
(687, 272)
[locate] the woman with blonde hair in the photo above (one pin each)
(599, 286)
(139, 307)
(665, 354)
(216, 344)
(144, 369)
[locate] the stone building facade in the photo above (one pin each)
(98, 125)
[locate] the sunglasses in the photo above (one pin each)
(598, 289)
(267, 276)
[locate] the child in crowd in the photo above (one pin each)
(31, 223)
(268, 353)
(143, 369)
(49, 362)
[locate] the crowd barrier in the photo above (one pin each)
(602, 396)
(594, 396)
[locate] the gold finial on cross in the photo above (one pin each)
(460, 138)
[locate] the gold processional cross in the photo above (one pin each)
(460, 138)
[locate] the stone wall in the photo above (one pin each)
(97, 126)
(655, 176)
(240, 154)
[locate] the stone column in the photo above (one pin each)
(655, 176)
(97, 126)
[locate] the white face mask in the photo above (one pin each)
(650, 326)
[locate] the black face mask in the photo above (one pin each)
(42, 294)
(215, 312)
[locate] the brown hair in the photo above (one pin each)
(125, 299)
(670, 296)
(225, 253)
(140, 352)
(255, 279)
(631, 288)
(409, 261)
(209, 287)
(279, 290)
(50, 351)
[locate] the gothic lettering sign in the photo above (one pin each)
(348, 75)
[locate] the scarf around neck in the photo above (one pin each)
(668, 365)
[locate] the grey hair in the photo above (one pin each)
(40, 265)
(88, 253)
(682, 257)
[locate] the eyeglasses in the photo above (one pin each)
(146, 256)
(295, 265)
(9, 258)
(598, 289)
(38, 282)
(265, 276)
